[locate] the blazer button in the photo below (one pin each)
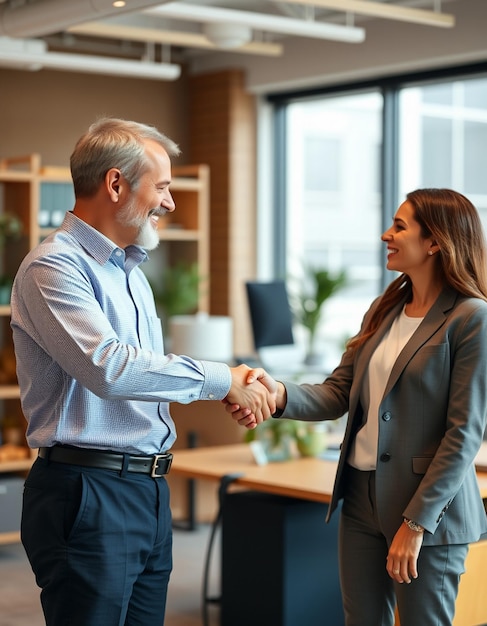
(386, 416)
(385, 457)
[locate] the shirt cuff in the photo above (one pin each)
(217, 382)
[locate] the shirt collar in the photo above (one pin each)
(100, 247)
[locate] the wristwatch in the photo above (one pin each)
(413, 525)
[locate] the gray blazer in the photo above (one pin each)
(431, 420)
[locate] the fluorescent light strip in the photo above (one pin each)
(259, 21)
(87, 63)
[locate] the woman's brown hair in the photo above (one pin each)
(452, 221)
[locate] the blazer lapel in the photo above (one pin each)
(435, 318)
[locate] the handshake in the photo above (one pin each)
(254, 396)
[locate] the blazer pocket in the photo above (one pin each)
(421, 464)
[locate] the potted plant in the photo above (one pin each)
(178, 291)
(282, 438)
(10, 228)
(317, 286)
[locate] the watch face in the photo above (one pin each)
(413, 526)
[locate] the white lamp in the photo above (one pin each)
(202, 336)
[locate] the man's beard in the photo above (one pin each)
(147, 236)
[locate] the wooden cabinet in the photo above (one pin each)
(39, 196)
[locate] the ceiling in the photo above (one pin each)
(152, 39)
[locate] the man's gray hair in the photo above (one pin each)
(113, 142)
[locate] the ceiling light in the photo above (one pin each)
(227, 36)
(260, 21)
(31, 54)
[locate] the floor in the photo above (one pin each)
(19, 596)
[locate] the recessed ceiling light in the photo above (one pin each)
(119, 4)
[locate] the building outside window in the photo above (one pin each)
(337, 197)
(443, 138)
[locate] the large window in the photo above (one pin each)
(333, 202)
(443, 138)
(346, 159)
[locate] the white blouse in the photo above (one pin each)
(363, 453)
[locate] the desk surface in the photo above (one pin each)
(307, 478)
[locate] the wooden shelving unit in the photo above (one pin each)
(29, 190)
(18, 196)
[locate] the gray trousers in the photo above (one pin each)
(369, 594)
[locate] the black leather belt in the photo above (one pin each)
(156, 466)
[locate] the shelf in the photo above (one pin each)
(19, 169)
(10, 176)
(22, 465)
(9, 392)
(26, 187)
(178, 234)
(13, 537)
(55, 174)
(186, 184)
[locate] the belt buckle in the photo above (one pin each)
(155, 465)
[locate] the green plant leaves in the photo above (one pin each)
(178, 291)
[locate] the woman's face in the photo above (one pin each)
(407, 250)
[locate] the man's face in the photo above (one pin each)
(150, 200)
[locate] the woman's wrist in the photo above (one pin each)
(281, 396)
(412, 525)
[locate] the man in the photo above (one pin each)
(95, 389)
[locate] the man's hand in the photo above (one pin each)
(243, 413)
(255, 391)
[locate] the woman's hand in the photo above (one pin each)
(243, 414)
(253, 390)
(402, 559)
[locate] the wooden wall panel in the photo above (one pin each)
(222, 134)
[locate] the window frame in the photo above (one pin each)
(389, 87)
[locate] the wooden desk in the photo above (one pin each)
(312, 479)
(306, 478)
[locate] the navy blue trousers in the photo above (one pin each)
(99, 543)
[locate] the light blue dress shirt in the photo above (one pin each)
(90, 356)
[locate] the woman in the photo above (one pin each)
(414, 383)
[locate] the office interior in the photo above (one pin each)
(223, 112)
